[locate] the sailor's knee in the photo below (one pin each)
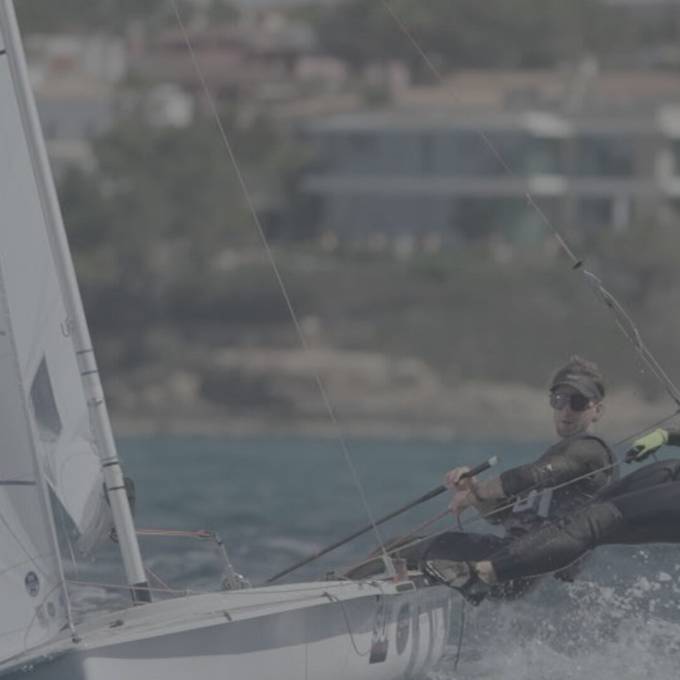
(593, 524)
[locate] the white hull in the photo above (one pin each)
(335, 630)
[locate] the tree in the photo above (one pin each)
(469, 33)
(147, 225)
(68, 15)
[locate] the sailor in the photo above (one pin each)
(579, 457)
(523, 499)
(642, 507)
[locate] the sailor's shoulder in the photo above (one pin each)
(580, 445)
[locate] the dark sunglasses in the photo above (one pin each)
(576, 401)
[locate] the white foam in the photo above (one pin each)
(581, 631)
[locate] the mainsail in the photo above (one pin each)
(30, 580)
(51, 350)
(44, 415)
(44, 353)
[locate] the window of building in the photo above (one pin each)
(675, 152)
(604, 156)
(542, 156)
(595, 212)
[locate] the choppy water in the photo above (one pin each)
(274, 501)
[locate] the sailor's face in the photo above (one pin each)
(572, 413)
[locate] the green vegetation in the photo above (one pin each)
(111, 15)
(67, 15)
(494, 33)
(169, 257)
(454, 33)
(174, 254)
(147, 226)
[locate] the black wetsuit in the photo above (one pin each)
(569, 475)
(566, 477)
(643, 507)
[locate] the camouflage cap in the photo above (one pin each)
(582, 376)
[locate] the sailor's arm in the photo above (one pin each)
(651, 443)
(582, 457)
(483, 495)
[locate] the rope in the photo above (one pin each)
(272, 261)
(393, 548)
(461, 634)
(623, 320)
(152, 573)
(604, 468)
(178, 533)
(337, 600)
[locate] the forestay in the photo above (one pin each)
(43, 411)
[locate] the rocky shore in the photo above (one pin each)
(246, 392)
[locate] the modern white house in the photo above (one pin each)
(599, 151)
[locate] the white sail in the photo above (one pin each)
(33, 608)
(54, 352)
(30, 581)
(45, 354)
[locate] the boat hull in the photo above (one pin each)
(334, 631)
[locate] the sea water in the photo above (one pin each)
(274, 501)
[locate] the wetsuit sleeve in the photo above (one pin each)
(578, 458)
(674, 437)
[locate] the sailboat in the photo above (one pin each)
(59, 458)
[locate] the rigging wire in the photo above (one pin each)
(623, 320)
(461, 635)
(279, 278)
(604, 468)
(401, 543)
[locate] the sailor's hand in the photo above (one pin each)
(454, 479)
(461, 501)
(646, 446)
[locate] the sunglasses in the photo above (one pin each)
(576, 401)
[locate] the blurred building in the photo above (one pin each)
(74, 78)
(259, 57)
(452, 163)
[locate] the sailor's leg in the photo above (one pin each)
(453, 545)
(649, 515)
(661, 472)
(457, 545)
(554, 546)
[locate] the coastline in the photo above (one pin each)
(474, 411)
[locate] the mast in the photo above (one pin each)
(76, 325)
